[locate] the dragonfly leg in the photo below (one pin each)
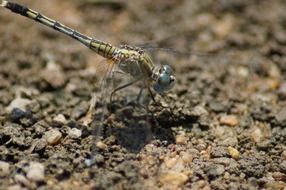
(139, 95)
(122, 87)
(152, 95)
(153, 98)
(138, 99)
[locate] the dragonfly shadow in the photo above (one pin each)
(131, 126)
(134, 127)
(132, 137)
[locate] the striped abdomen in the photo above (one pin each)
(102, 48)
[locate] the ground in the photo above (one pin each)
(223, 126)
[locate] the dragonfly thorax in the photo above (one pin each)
(134, 61)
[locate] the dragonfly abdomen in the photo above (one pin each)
(102, 48)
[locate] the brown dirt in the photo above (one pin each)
(225, 124)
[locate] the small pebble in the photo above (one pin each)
(101, 145)
(170, 162)
(181, 139)
(187, 157)
(226, 175)
(19, 103)
(179, 166)
(230, 120)
(217, 106)
(233, 152)
(256, 135)
(41, 144)
(99, 159)
(144, 173)
(16, 115)
(36, 172)
(53, 136)
(242, 175)
(53, 75)
(215, 170)
(173, 178)
(60, 118)
(74, 133)
(4, 168)
(223, 27)
(21, 180)
(278, 176)
(242, 71)
(149, 148)
(199, 110)
(51, 182)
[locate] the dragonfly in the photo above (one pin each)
(130, 60)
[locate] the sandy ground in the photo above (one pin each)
(224, 124)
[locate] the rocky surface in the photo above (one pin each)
(223, 126)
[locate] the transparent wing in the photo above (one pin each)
(123, 119)
(151, 47)
(133, 127)
(98, 111)
(102, 69)
(101, 101)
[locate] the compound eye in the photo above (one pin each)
(164, 79)
(167, 69)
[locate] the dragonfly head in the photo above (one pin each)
(164, 79)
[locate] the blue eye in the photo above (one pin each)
(158, 88)
(167, 69)
(164, 79)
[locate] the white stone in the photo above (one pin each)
(4, 168)
(36, 172)
(74, 133)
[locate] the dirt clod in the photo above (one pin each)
(215, 170)
(173, 179)
(229, 120)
